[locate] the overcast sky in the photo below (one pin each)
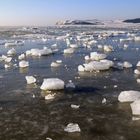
(47, 12)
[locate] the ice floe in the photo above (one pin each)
(72, 127)
(52, 84)
(129, 96)
(135, 106)
(23, 64)
(30, 79)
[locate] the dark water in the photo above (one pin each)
(23, 117)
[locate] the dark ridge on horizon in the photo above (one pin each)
(80, 22)
(136, 20)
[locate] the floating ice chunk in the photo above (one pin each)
(55, 64)
(136, 71)
(72, 127)
(125, 46)
(75, 106)
(115, 86)
(35, 52)
(6, 66)
(137, 38)
(108, 48)
(97, 56)
(21, 57)
(109, 62)
(87, 58)
(92, 42)
(129, 96)
(8, 59)
(73, 46)
(81, 68)
(44, 39)
(59, 61)
(45, 51)
(70, 85)
(100, 47)
(104, 101)
(127, 65)
(30, 79)
(135, 106)
(138, 80)
(52, 84)
(134, 118)
(96, 66)
(50, 96)
(138, 64)
(68, 51)
(10, 44)
(23, 64)
(49, 138)
(28, 52)
(11, 52)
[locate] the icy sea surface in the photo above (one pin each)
(26, 115)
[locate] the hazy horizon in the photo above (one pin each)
(48, 12)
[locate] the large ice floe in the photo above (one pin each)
(129, 96)
(40, 52)
(52, 84)
(96, 66)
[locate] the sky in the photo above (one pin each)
(48, 12)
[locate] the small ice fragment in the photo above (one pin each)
(104, 101)
(23, 64)
(125, 46)
(28, 52)
(87, 58)
(33, 96)
(68, 51)
(75, 106)
(50, 96)
(138, 64)
(55, 64)
(72, 127)
(138, 80)
(52, 84)
(6, 66)
(100, 47)
(59, 61)
(73, 46)
(8, 59)
(48, 138)
(21, 57)
(97, 56)
(11, 52)
(30, 79)
(136, 71)
(108, 48)
(135, 118)
(70, 85)
(127, 65)
(81, 68)
(115, 86)
(129, 96)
